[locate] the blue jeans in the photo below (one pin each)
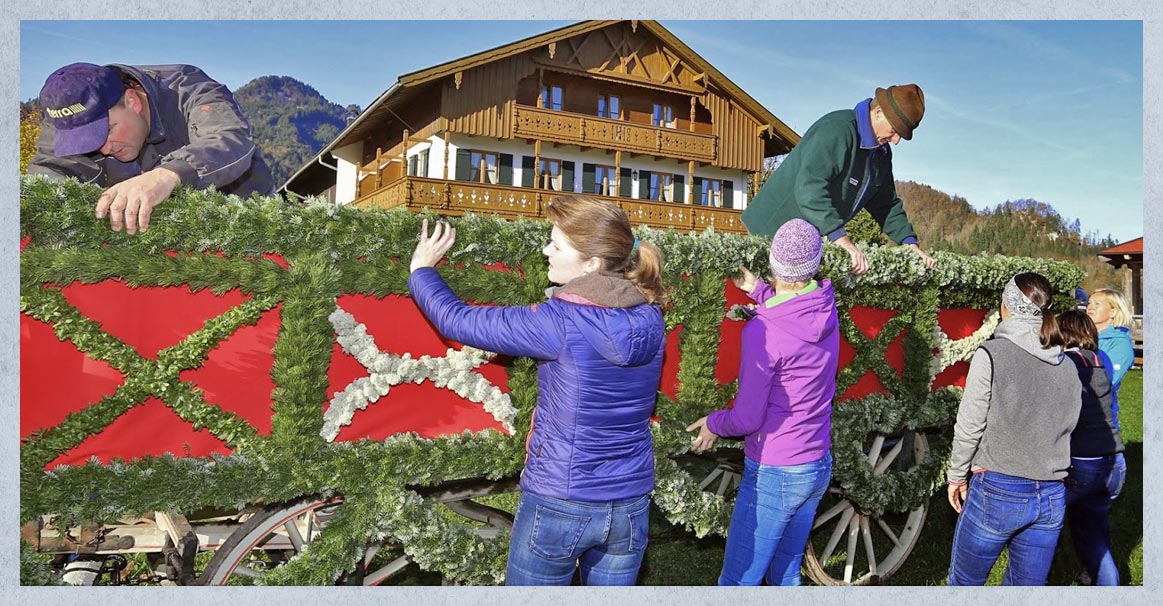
(1000, 511)
(553, 537)
(772, 518)
(1090, 487)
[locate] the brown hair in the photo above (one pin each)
(1078, 330)
(1039, 291)
(597, 228)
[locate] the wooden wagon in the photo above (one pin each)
(249, 378)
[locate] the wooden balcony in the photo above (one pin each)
(591, 131)
(454, 198)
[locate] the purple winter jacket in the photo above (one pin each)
(599, 347)
(787, 379)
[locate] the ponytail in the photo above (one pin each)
(1038, 291)
(646, 272)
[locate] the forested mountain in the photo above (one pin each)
(291, 121)
(1025, 228)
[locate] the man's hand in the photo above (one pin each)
(131, 202)
(706, 437)
(860, 264)
(746, 281)
(432, 248)
(930, 262)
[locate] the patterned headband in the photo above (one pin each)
(1017, 302)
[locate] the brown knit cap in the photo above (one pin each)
(904, 106)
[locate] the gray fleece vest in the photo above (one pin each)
(1033, 407)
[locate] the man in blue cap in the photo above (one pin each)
(141, 131)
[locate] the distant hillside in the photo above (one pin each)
(1026, 228)
(291, 121)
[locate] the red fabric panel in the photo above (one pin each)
(399, 327)
(57, 379)
(954, 375)
(871, 320)
(961, 322)
(425, 409)
(670, 361)
(730, 337)
(868, 384)
(149, 318)
(151, 429)
(237, 374)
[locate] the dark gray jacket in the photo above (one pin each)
(1021, 402)
(197, 130)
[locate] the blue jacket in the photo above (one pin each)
(1115, 342)
(599, 347)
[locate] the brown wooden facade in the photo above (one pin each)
(620, 109)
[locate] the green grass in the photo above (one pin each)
(675, 557)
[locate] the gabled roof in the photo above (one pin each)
(409, 85)
(1132, 247)
(1127, 253)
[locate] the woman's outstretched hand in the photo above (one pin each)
(745, 281)
(432, 248)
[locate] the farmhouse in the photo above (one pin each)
(615, 109)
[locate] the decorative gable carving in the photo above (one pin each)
(624, 51)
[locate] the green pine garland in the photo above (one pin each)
(333, 251)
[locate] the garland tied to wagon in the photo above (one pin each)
(332, 251)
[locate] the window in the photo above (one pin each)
(418, 164)
(482, 164)
(551, 174)
(552, 97)
(712, 194)
(604, 181)
(661, 187)
(663, 116)
(609, 106)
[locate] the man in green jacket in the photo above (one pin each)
(844, 163)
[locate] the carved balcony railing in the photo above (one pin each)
(580, 129)
(454, 198)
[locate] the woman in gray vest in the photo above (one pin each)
(1011, 442)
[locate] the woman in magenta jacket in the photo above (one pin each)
(787, 379)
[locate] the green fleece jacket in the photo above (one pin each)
(826, 179)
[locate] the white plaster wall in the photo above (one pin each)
(347, 159)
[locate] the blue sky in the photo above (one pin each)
(1050, 110)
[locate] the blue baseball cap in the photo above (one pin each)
(76, 100)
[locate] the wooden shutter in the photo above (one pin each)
(644, 185)
(505, 169)
(624, 187)
(527, 171)
(567, 176)
(697, 190)
(589, 182)
(463, 164)
(679, 190)
(728, 195)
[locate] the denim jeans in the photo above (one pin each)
(1090, 487)
(1000, 511)
(772, 518)
(554, 537)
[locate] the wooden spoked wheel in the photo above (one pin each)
(274, 535)
(850, 547)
